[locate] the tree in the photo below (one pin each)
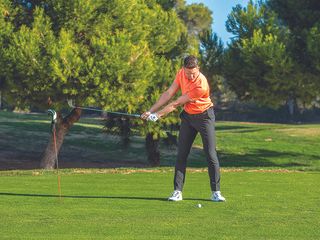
(6, 31)
(302, 19)
(97, 53)
(211, 53)
(257, 65)
(313, 47)
(197, 17)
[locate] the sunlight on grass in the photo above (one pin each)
(296, 132)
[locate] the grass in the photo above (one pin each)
(270, 177)
(252, 145)
(102, 204)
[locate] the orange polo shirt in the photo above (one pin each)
(198, 90)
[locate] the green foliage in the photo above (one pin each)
(211, 57)
(243, 21)
(297, 15)
(167, 4)
(257, 65)
(119, 55)
(302, 19)
(211, 53)
(313, 46)
(28, 62)
(105, 54)
(197, 17)
(6, 30)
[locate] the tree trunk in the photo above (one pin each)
(63, 125)
(291, 104)
(292, 109)
(152, 146)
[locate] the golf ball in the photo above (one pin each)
(199, 205)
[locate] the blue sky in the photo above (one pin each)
(220, 9)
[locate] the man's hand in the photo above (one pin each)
(150, 116)
(145, 115)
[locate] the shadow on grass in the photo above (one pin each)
(81, 197)
(95, 197)
(226, 128)
(258, 158)
(240, 129)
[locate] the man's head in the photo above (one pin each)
(191, 67)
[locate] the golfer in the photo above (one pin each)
(197, 116)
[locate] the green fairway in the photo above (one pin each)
(101, 204)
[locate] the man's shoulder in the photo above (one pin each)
(180, 75)
(180, 72)
(203, 82)
(202, 77)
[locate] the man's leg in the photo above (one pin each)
(187, 135)
(207, 131)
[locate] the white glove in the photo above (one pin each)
(153, 117)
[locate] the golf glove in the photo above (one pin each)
(153, 117)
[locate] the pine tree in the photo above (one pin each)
(256, 65)
(107, 54)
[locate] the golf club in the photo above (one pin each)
(70, 103)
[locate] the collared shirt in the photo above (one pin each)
(198, 90)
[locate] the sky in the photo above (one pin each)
(220, 9)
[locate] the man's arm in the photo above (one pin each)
(173, 105)
(164, 98)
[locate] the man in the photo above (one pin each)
(197, 116)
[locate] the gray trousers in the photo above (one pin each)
(191, 124)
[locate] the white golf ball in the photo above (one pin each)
(199, 205)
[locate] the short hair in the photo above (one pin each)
(190, 62)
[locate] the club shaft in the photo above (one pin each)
(98, 110)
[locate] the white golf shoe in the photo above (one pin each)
(176, 196)
(217, 197)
